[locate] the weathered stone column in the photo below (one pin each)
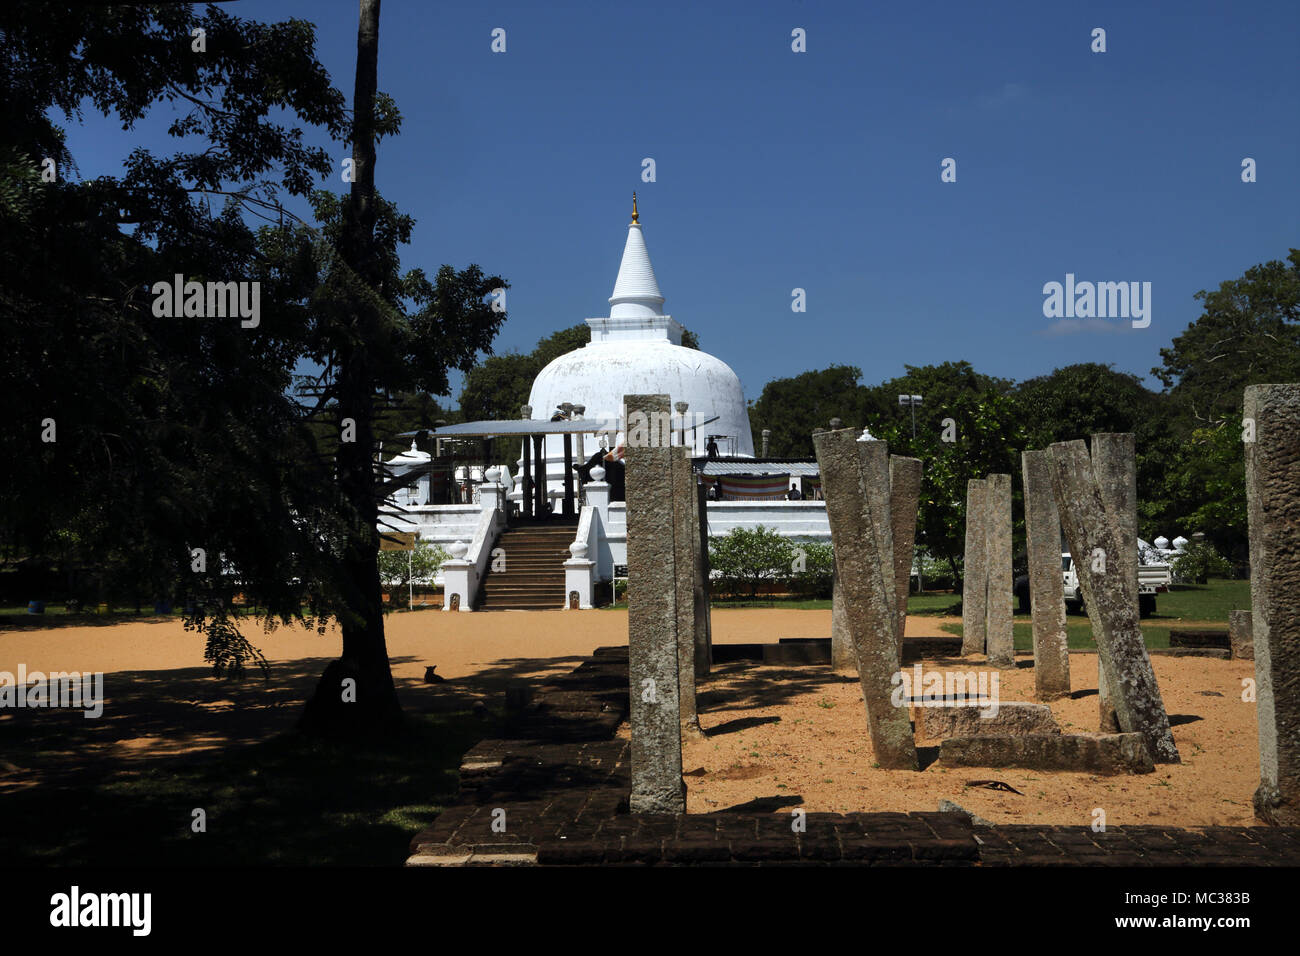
(657, 785)
(1272, 413)
(855, 479)
(975, 580)
(1046, 594)
(1094, 540)
(703, 586)
(999, 636)
(686, 538)
(904, 499)
(1114, 461)
(1241, 635)
(843, 655)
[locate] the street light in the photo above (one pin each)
(911, 401)
(681, 411)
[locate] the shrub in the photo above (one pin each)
(747, 558)
(1200, 562)
(813, 569)
(397, 569)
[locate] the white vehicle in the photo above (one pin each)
(1154, 577)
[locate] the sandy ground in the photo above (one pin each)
(162, 700)
(786, 737)
(797, 737)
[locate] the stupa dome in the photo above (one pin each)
(637, 350)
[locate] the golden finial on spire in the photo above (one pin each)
(635, 217)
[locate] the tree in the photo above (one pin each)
(1086, 399)
(377, 345)
(186, 447)
(1248, 334)
(793, 407)
(969, 426)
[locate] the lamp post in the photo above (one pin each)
(911, 401)
(681, 411)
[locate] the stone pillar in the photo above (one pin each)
(1241, 635)
(568, 475)
(843, 655)
(579, 577)
(597, 492)
(491, 495)
(686, 543)
(539, 486)
(975, 581)
(656, 752)
(703, 588)
(904, 499)
(1094, 540)
(1272, 419)
(1046, 593)
(999, 637)
(1114, 460)
(526, 489)
(457, 579)
(855, 480)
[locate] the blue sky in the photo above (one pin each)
(821, 170)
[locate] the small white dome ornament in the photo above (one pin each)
(458, 550)
(1162, 543)
(492, 474)
(866, 435)
(578, 549)
(1180, 543)
(598, 473)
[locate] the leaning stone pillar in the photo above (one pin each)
(1114, 459)
(999, 636)
(1046, 593)
(686, 543)
(975, 581)
(904, 499)
(656, 751)
(1272, 419)
(855, 479)
(1095, 540)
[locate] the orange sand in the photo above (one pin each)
(774, 735)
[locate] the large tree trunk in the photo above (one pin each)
(369, 703)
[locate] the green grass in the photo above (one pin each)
(290, 800)
(1206, 604)
(940, 603)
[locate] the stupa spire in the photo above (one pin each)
(636, 290)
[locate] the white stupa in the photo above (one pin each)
(637, 350)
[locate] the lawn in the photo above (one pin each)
(1199, 606)
(290, 800)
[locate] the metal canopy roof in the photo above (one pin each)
(759, 466)
(521, 427)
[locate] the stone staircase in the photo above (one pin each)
(533, 578)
